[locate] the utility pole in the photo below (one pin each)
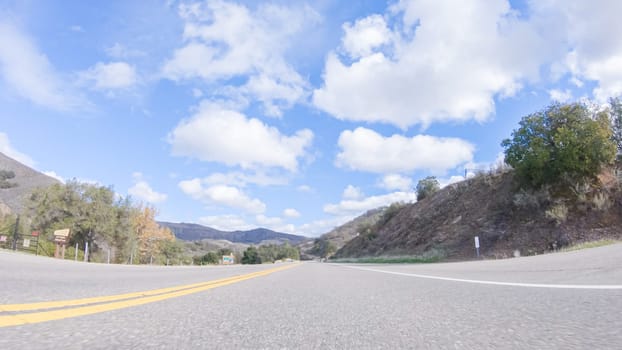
(15, 233)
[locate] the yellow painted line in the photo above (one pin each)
(102, 299)
(44, 316)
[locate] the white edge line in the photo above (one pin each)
(495, 283)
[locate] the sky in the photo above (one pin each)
(290, 115)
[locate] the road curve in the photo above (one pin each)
(328, 306)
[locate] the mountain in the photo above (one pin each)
(195, 232)
(507, 222)
(26, 179)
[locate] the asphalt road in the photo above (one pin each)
(558, 301)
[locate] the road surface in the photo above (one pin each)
(559, 301)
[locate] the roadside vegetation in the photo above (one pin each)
(592, 244)
(110, 225)
(270, 253)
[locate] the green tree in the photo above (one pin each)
(211, 258)
(90, 211)
(615, 108)
(426, 187)
(562, 142)
(251, 256)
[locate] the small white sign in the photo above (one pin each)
(476, 242)
(26, 243)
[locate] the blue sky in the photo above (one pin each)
(291, 115)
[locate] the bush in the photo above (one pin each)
(426, 187)
(561, 143)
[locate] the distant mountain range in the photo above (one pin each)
(26, 179)
(195, 232)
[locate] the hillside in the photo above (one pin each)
(488, 206)
(195, 232)
(340, 235)
(26, 180)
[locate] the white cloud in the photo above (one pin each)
(352, 192)
(119, 51)
(440, 62)
(275, 224)
(362, 37)
(291, 213)
(354, 207)
(319, 227)
(585, 32)
(76, 28)
(364, 149)
(227, 136)
(54, 175)
(197, 93)
(268, 221)
(8, 150)
(143, 191)
(396, 182)
(559, 95)
(225, 40)
(304, 188)
(226, 223)
(223, 195)
(114, 75)
(29, 73)
(241, 179)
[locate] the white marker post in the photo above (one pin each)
(477, 245)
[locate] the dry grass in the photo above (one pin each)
(592, 244)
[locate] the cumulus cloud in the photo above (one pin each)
(366, 34)
(223, 195)
(143, 191)
(113, 75)
(357, 206)
(291, 213)
(441, 62)
(352, 192)
(559, 95)
(8, 150)
(29, 73)
(226, 136)
(241, 179)
(396, 182)
(225, 40)
(585, 31)
(366, 150)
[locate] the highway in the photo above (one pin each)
(567, 300)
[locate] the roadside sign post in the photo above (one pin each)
(60, 238)
(477, 245)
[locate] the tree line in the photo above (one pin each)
(97, 216)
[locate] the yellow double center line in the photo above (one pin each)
(87, 306)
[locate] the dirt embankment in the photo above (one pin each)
(504, 219)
